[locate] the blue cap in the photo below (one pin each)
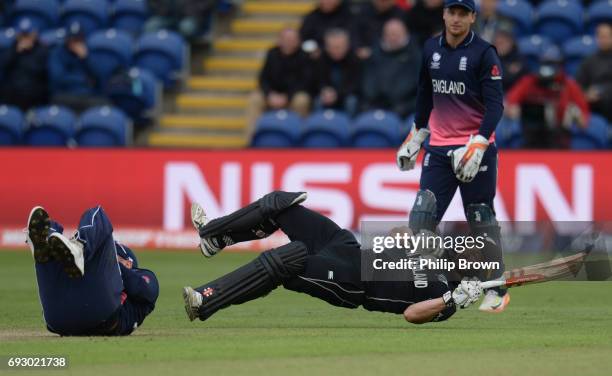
(25, 26)
(75, 30)
(467, 4)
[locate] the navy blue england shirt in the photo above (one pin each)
(460, 90)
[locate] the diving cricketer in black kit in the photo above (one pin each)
(321, 260)
(459, 104)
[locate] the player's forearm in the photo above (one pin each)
(494, 108)
(425, 311)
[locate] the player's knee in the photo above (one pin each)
(277, 201)
(480, 215)
(423, 213)
(285, 261)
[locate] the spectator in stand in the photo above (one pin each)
(595, 73)
(548, 103)
(370, 20)
(191, 18)
(71, 82)
(514, 65)
(329, 14)
(391, 74)
(487, 20)
(286, 79)
(425, 19)
(25, 74)
(338, 73)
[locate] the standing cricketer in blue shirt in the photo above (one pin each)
(88, 284)
(460, 97)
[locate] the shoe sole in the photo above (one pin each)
(38, 231)
(187, 298)
(501, 307)
(61, 253)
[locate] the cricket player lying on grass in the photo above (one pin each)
(321, 260)
(89, 284)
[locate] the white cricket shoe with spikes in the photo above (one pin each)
(193, 301)
(70, 253)
(199, 220)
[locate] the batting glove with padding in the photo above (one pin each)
(466, 159)
(409, 150)
(468, 292)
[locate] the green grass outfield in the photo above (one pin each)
(558, 328)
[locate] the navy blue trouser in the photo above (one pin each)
(102, 302)
(437, 176)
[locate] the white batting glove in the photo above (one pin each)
(467, 293)
(466, 159)
(409, 150)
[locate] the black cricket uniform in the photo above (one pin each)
(333, 269)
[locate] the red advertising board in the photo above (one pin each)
(147, 192)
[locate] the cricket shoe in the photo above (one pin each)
(494, 303)
(70, 253)
(37, 233)
(193, 301)
(208, 246)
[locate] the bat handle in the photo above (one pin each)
(494, 283)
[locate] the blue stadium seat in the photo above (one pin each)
(44, 14)
(509, 134)
(531, 47)
(598, 12)
(277, 129)
(109, 51)
(7, 37)
(575, 50)
(326, 129)
(595, 136)
(376, 129)
(163, 53)
(139, 97)
(90, 14)
(130, 15)
(53, 37)
(103, 127)
(559, 19)
(50, 126)
(12, 125)
(520, 12)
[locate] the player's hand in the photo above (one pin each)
(409, 150)
(466, 159)
(467, 293)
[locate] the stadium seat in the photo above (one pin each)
(575, 50)
(163, 53)
(110, 51)
(90, 14)
(277, 129)
(509, 134)
(326, 129)
(44, 14)
(12, 124)
(103, 127)
(559, 19)
(129, 15)
(138, 95)
(376, 129)
(521, 14)
(531, 47)
(595, 136)
(53, 37)
(50, 126)
(598, 12)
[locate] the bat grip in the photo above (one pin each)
(494, 283)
